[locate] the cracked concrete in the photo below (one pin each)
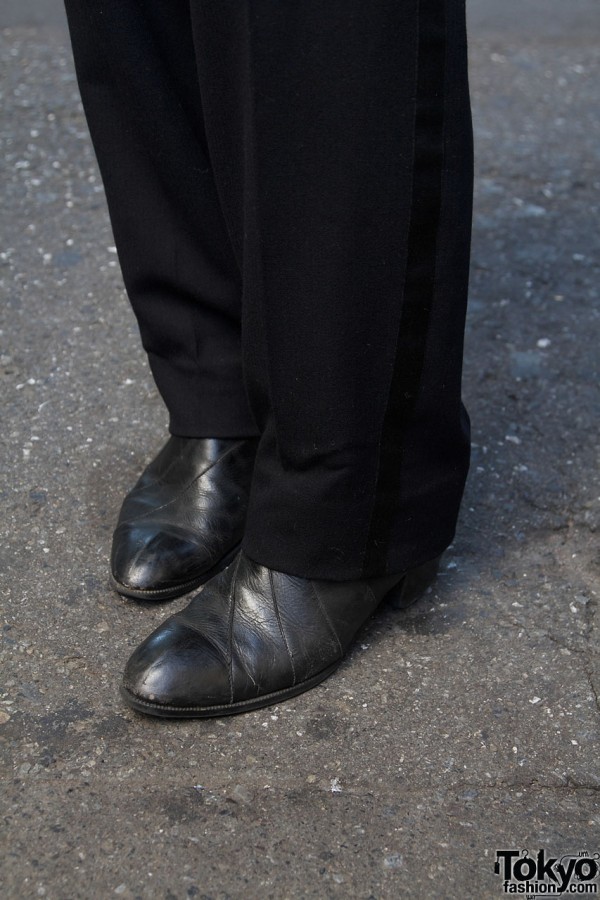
(466, 724)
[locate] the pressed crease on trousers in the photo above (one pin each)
(289, 184)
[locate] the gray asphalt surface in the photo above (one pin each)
(466, 725)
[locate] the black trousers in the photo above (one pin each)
(289, 183)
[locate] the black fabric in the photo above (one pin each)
(290, 190)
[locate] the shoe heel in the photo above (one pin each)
(414, 584)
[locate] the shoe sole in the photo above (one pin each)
(177, 590)
(225, 709)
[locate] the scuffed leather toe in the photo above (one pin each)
(160, 562)
(173, 664)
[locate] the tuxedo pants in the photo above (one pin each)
(289, 184)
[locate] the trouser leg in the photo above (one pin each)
(340, 137)
(137, 74)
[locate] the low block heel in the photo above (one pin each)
(414, 584)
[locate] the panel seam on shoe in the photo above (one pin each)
(159, 479)
(279, 622)
(372, 593)
(230, 629)
(182, 491)
(326, 617)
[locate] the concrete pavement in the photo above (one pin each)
(466, 725)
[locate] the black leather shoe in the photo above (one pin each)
(252, 638)
(184, 520)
